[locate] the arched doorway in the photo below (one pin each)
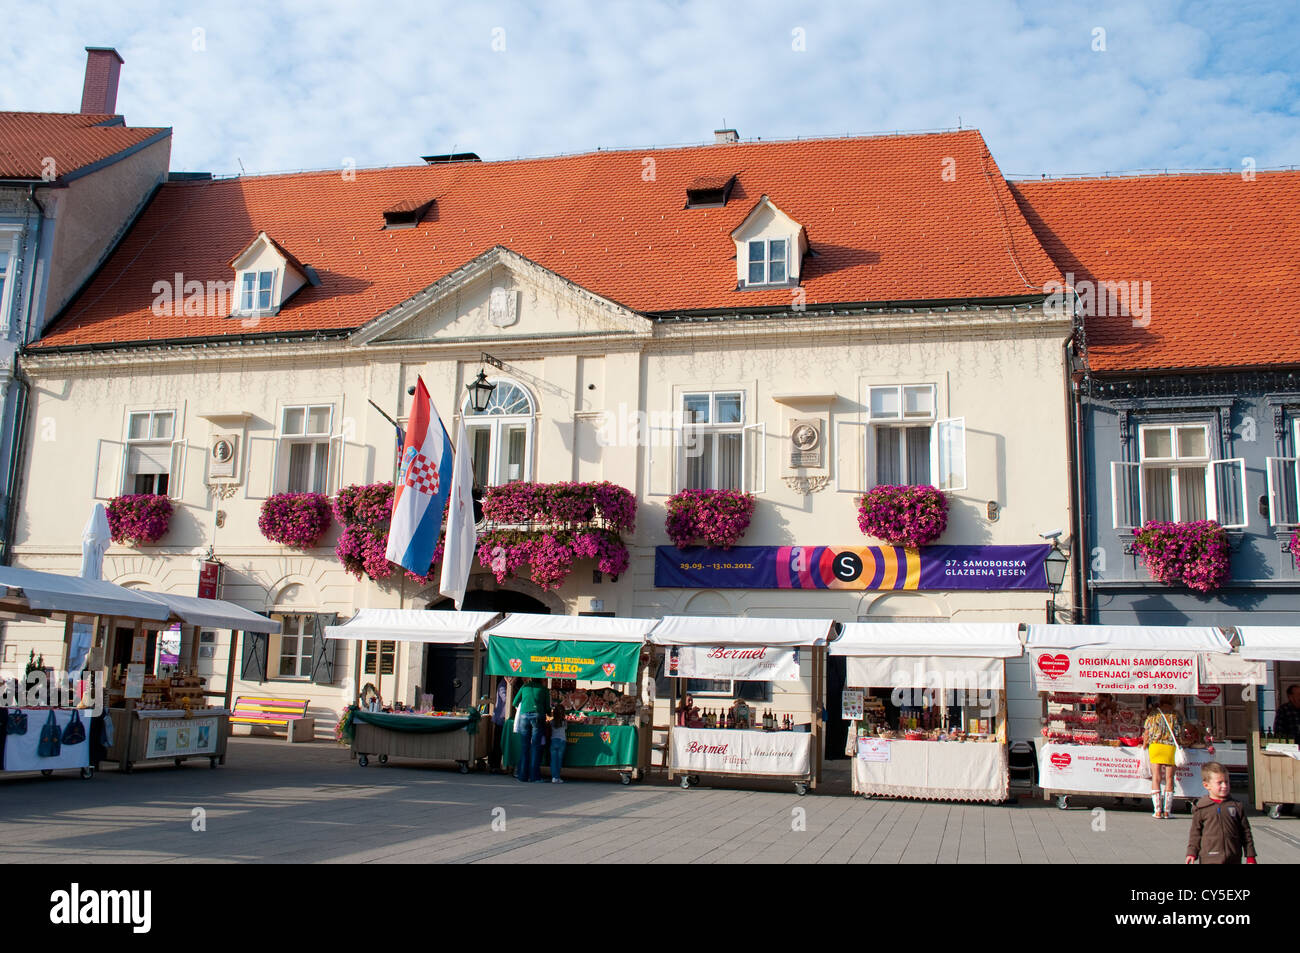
(448, 669)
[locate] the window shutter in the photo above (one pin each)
(1228, 492)
(334, 465)
(322, 663)
(252, 667)
(1283, 491)
(661, 455)
(851, 456)
(176, 479)
(949, 471)
(110, 457)
(263, 467)
(1126, 495)
(753, 459)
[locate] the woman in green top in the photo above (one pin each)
(532, 701)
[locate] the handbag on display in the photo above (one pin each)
(49, 745)
(75, 732)
(108, 730)
(16, 722)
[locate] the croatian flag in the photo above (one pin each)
(423, 485)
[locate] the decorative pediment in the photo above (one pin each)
(501, 295)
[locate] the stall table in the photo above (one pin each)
(20, 750)
(155, 736)
(747, 649)
(463, 740)
(944, 660)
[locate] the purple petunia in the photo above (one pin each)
(717, 517)
(295, 519)
(909, 516)
(1195, 554)
(139, 518)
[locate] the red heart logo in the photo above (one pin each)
(609, 668)
(1061, 760)
(515, 664)
(1209, 693)
(604, 736)
(1053, 665)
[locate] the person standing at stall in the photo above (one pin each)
(531, 704)
(1286, 723)
(558, 742)
(1160, 737)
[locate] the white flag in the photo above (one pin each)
(458, 552)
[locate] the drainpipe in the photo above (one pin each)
(1075, 454)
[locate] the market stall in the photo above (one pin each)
(150, 715)
(424, 734)
(930, 707)
(737, 741)
(1274, 760)
(594, 666)
(1097, 685)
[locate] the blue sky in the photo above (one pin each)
(318, 83)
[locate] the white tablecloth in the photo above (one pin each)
(1102, 769)
(20, 750)
(775, 753)
(936, 770)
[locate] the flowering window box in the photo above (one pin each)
(295, 519)
(1194, 554)
(139, 519)
(908, 516)
(716, 518)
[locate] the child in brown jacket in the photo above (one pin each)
(1219, 827)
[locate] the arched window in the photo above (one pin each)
(501, 437)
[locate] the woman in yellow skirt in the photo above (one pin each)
(1159, 735)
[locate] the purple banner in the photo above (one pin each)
(852, 567)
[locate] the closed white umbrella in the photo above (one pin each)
(94, 541)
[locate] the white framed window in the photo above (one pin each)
(152, 453)
(5, 281)
(501, 436)
(769, 261)
(306, 438)
(1283, 475)
(295, 646)
(716, 449)
(908, 444)
(1177, 479)
(256, 291)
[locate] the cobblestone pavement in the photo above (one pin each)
(276, 802)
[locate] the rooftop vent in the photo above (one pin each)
(721, 136)
(452, 157)
(407, 214)
(709, 191)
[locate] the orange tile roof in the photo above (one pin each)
(1222, 255)
(72, 140)
(883, 221)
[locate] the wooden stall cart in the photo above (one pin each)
(1274, 768)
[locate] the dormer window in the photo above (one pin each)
(709, 191)
(266, 276)
(768, 262)
(770, 248)
(255, 289)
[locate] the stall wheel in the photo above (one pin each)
(212, 763)
(800, 788)
(179, 761)
(624, 777)
(1275, 811)
(686, 782)
(383, 759)
(46, 772)
(129, 767)
(362, 761)
(87, 773)
(1063, 802)
(463, 766)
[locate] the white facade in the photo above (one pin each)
(606, 387)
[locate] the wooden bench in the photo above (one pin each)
(288, 713)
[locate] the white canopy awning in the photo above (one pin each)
(940, 639)
(213, 613)
(51, 592)
(728, 630)
(571, 628)
(1168, 638)
(412, 625)
(1279, 643)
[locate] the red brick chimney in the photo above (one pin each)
(103, 67)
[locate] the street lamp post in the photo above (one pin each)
(1057, 562)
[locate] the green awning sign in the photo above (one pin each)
(552, 658)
